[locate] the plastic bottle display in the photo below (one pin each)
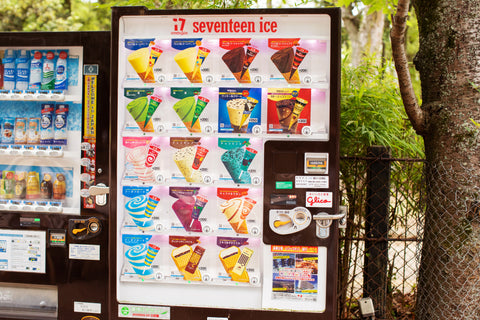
(23, 71)
(48, 78)
(61, 76)
(36, 71)
(21, 185)
(46, 187)
(33, 185)
(9, 70)
(59, 187)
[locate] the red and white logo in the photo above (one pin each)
(179, 26)
(319, 200)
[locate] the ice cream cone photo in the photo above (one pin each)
(186, 60)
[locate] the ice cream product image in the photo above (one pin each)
(201, 56)
(152, 203)
(300, 54)
(151, 254)
(181, 257)
(186, 60)
(238, 61)
(236, 108)
(135, 207)
(297, 110)
(283, 60)
(137, 158)
(155, 53)
(136, 257)
(185, 109)
(139, 60)
(285, 112)
(199, 107)
(229, 258)
(184, 207)
(200, 155)
(153, 104)
(184, 159)
(233, 209)
(232, 160)
(200, 203)
(138, 108)
(154, 148)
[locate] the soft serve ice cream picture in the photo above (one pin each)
(189, 105)
(190, 57)
(142, 57)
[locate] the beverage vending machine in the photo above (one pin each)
(54, 89)
(227, 163)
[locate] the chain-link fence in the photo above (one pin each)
(380, 247)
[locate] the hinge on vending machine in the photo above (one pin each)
(325, 220)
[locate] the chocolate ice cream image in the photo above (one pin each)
(283, 60)
(234, 59)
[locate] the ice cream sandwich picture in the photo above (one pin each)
(238, 61)
(287, 61)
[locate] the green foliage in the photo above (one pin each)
(372, 112)
(51, 15)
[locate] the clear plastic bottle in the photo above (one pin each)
(23, 71)
(9, 71)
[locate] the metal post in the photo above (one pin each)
(376, 228)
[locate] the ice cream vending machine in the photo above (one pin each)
(227, 163)
(54, 105)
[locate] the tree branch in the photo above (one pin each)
(397, 37)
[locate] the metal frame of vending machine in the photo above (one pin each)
(226, 127)
(53, 231)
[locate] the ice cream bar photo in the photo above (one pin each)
(300, 54)
(297, 110)
(251, 54)
(201, 56)
(200, 155)
(192, 264)
(200, 105)
(242, 261)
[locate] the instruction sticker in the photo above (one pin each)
(84, 252)
(143, 312)
(311, 182)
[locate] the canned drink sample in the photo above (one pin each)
(8, 130)
(33, 132)
(33, 185)
(20, 130)
(61, 113)
(46, 124)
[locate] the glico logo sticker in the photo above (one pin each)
(319, 200)
(179, 26)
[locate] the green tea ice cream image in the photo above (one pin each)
(185, 109)
(138, 108)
